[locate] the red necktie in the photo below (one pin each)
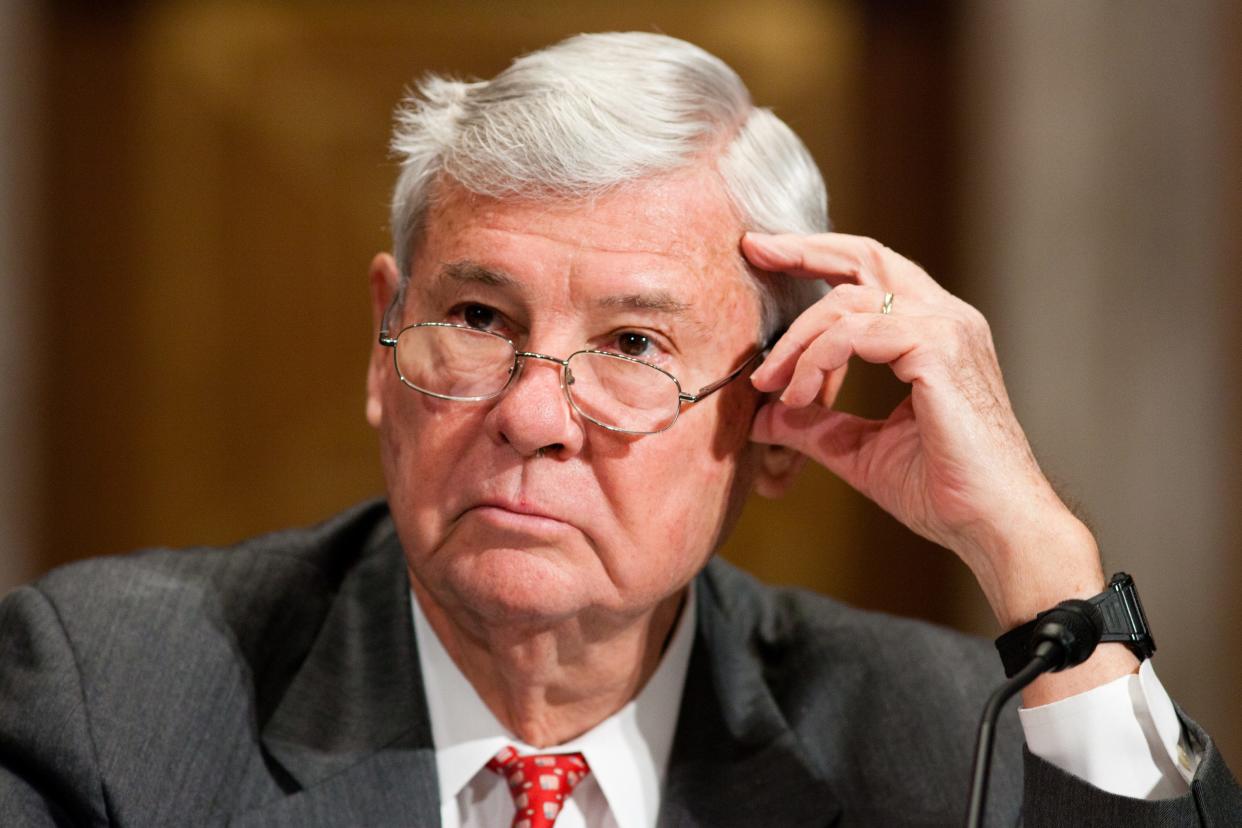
(539, 784)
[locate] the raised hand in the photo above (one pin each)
(951, 461)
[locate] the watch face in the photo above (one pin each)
(1124, 619)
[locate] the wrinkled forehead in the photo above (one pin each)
(672, 240)
(687, 211)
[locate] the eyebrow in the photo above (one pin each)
(659, 301)
(473, 273)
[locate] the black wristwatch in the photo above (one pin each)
(1124, 622)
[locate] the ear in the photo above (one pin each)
(779, 465)
(778, 469)
(384, 279)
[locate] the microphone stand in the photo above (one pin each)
(1065, 637)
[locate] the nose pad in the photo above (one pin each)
(569, 376)
(515, 373)
(528, 418)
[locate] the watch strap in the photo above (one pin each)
(1124, 622)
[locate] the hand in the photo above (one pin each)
(951, 461)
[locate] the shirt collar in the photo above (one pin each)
(628, 752)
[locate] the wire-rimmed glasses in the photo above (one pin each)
(614, 391)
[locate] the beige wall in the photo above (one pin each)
(1096, 225)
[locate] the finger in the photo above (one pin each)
(831, 387)
(906, 344)
(778, 366)
(838, 258)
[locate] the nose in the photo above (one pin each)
(534, 414)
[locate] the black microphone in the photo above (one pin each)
(1064, 636)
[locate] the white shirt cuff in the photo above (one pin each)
(1123, 737)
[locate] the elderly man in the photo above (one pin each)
(603, 325)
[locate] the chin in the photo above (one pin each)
(505, 585)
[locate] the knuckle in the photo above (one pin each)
(873, 254)
(849, 294)
(973, 315)
(876, 325)
(960, 333)
(822, 348)
(951, 336)
(871, 244)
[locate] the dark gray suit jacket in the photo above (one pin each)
(277, 683)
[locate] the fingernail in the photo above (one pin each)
(760, 381)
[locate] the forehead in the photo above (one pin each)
(676, 235)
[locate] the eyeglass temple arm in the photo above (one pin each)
(384, 338)
(708, 390)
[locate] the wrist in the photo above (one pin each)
(1108, 663)
(1031, 568)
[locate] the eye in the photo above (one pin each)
(634, 344)
(480, 317)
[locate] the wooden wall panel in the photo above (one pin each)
(221, 186)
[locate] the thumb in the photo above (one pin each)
(831, 438)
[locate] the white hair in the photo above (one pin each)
(598, 110)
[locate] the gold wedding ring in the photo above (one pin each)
(887, 307)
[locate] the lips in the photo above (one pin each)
(521, 507)
(516, 513)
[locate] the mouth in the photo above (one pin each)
(517, 515)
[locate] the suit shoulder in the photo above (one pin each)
(322, 553)
(804, 634)
(154, 673)
(883, 706)
(249, 591)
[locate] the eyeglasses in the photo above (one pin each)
(617, 392)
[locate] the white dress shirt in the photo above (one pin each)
(627, 752)
(1123, 737)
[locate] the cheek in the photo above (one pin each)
(719, 474)
(419, 439)
(676, 500)
(398, 431)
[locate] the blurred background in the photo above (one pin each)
(190, 194)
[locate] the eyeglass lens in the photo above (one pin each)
(466, 364)
(459, 363)
(622, 394)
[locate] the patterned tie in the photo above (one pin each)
(539, 784)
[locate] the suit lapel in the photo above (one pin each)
(735, 761)
(374, 760)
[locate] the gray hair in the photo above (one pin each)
(598, 110)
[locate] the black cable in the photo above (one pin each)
(987, 728)
(1065, 637)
